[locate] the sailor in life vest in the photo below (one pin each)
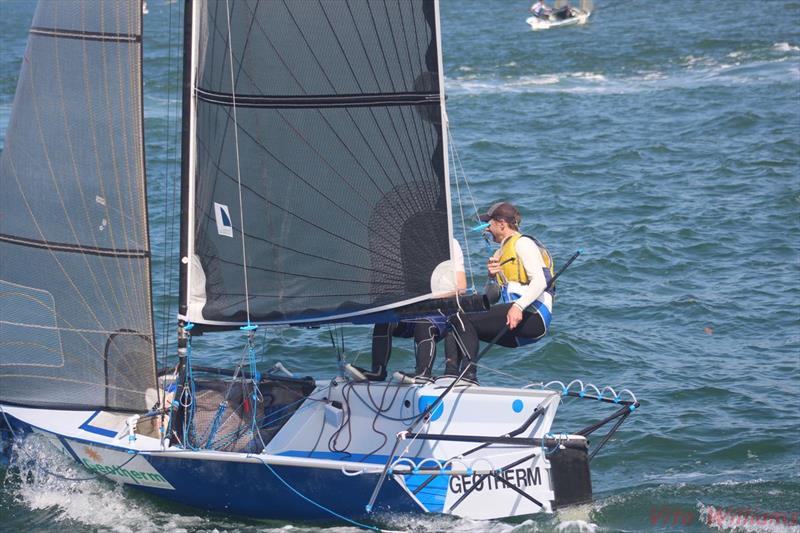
(522, 269)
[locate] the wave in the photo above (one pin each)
(693, 72)
(695, 506)
(785, 47)
(59, 494)
(51, 484)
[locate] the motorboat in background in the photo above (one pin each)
(562, 15)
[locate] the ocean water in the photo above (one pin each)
(662, 138)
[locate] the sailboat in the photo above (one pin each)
(314, 190)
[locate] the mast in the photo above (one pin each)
(186, 128)
(187, 119)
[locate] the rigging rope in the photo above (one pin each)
(188, 404)
(458, 175)
(255, 378)
(223, 406)
(238, 166)
(317, 504)
(170, 202)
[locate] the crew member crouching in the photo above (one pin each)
(522, 269)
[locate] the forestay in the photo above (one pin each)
(75, 317)
(316, 184)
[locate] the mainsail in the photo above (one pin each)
(315, 169)
(75, 312)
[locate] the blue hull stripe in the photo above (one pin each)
(434, 493)
(251, 489)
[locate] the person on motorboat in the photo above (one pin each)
(427, 332)
(522, 269)
(540, 9)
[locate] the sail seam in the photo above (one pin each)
(85, 35)
(341, 100)
(74, 248)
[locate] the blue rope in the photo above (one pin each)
(255, 376)
(547, 451)
(319, 505)
(215, 425)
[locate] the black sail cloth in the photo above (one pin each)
(75, 312)
(326, 153)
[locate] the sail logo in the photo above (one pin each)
(93, 454)
(223, 217)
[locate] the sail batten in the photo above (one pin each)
(317, 101)
(86, 35)
(337, 148)
(81, 249)
(75, 311)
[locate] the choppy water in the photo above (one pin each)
(664, 139)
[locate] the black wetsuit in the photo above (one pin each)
(467, 329)
(426, 334)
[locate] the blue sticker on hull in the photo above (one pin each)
(425, 401)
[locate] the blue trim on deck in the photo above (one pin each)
(94, 429)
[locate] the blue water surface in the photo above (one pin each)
(663, 138)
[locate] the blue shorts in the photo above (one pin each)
(405, 330)
(543, 311)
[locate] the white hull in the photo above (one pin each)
(537, 23)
